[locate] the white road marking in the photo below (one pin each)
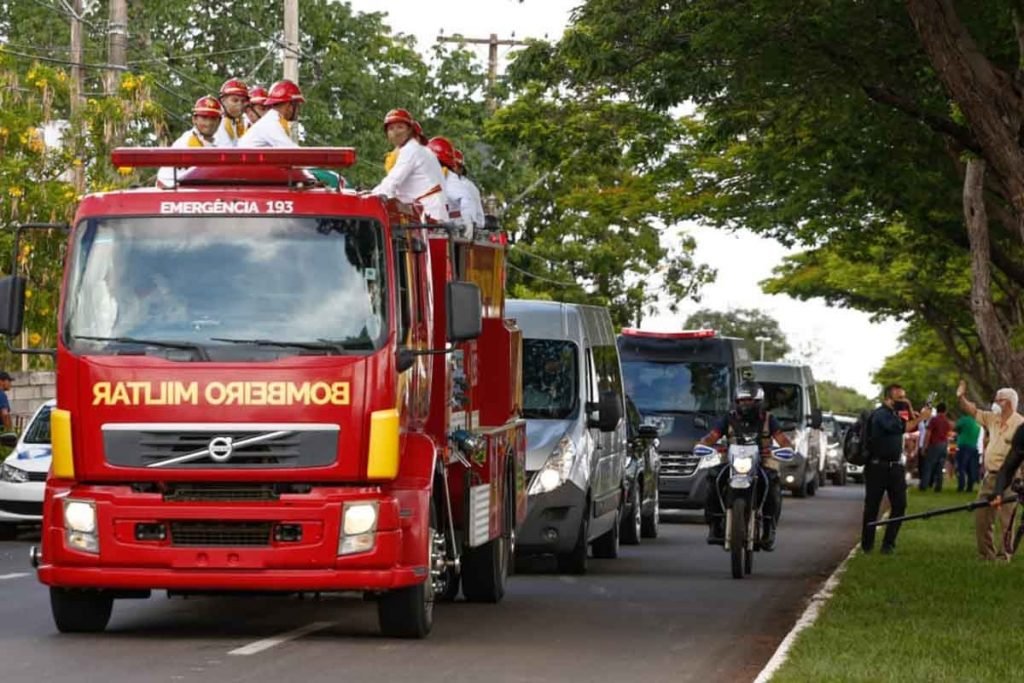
(13, 576)
(267, 643)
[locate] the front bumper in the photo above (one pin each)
(21, 502)
(552, 523)
(855, 470)
(210, 562)
(683, 492)
(793, 473)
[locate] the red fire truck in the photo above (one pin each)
(264, 384)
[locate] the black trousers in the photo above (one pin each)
(772, 503)
(883, 479)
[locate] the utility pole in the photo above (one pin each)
(117, 39)
(492, 58)
(77, 87)
(291, 40)
(762, 340)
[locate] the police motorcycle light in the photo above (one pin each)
(709, 457)
(784, 454)
(556, 470)
(80, 525)
(12, 474)
(358, 528)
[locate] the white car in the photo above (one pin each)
(23, 474)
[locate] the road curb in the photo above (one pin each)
(807, 619)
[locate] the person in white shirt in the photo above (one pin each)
(463, 205)
(234, 95)
(206, 116)
(274, 129)
(416, 177)
(474, 191)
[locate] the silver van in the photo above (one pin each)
(574, 403)
(792, 397)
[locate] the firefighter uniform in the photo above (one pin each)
(465, 197)
(416, 178)
(231, 128)
(230, 132)
(270, 131)
(189, 139)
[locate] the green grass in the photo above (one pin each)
(932, 612)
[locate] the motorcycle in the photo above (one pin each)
(742, 488)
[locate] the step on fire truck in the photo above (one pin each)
(264, 384)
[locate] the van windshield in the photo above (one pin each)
(785, 401)
(677, 387)
(550, 379)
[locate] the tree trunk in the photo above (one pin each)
(1008, 365)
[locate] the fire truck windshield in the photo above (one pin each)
(240, 288)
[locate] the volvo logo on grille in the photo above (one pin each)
(221, 448)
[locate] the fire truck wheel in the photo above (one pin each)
(485, 569)
(409, 612)
(575, 561)
(77, 611)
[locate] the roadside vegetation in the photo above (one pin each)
(931, 612)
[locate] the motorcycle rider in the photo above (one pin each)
(749, 416)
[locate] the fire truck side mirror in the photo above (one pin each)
(465, 311)
(12, 305)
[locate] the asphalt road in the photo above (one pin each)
(667, 610)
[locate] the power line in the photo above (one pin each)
(64, 62)
(541, 277)
(204, 55)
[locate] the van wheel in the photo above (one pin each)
(801, 490)
(632, 521)
(78, 611)
(575, 561)
(485, 569)
(650, 522)
(607, 547)
(812, 486)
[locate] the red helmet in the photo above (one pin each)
(257, 95)
(282, 92)
(208, 105)
(459, 159)
(444, 151)
(234, 86)
(402, 116)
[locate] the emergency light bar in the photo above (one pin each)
(154, 157)
(685, 334)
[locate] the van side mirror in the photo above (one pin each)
(12, 305)
(9, 439)
(815, 419)
(648, 432)
(609, 412)
(465, 311)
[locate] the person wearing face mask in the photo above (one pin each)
(885, 472)
(749, 416)
(1001, 422)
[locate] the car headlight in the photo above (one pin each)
(742, 464)
(12, 474)
(557, 468)
(709, 460)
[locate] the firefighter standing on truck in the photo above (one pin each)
(234, 95)
(462, 205)
(206, 117)
(470, 187)
(257, 105)
(274, 129)
(416, 177)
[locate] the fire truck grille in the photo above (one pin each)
(678, 464)
(220, 534)
(165, 446)
(188, 493)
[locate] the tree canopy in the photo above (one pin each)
(748, 324)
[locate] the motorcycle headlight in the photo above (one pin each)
(742, 464)
(556, 470)
(13, 475)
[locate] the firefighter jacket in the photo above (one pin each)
(230, 132)
(270, 131)
(417, 178)
(190, 138)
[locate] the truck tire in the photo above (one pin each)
(650, 522)
(76, 611)
(607, 546)
(485, 569)
(632, 521)
(575, 561)
(738, 537)
(409, 612)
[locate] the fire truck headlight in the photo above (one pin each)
(80, 526)
(80, 515)
(360, 518)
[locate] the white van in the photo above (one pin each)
(792, 397)
(574, 403)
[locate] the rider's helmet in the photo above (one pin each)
(749, 400)
(282, 92)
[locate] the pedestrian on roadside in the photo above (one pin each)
(968, 433)
(1001, 423)
(936, 438)
(5, 403)
(884, 472)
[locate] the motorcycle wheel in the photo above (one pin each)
(738, 537)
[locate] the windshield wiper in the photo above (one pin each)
(162, 343)
(337, 346)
